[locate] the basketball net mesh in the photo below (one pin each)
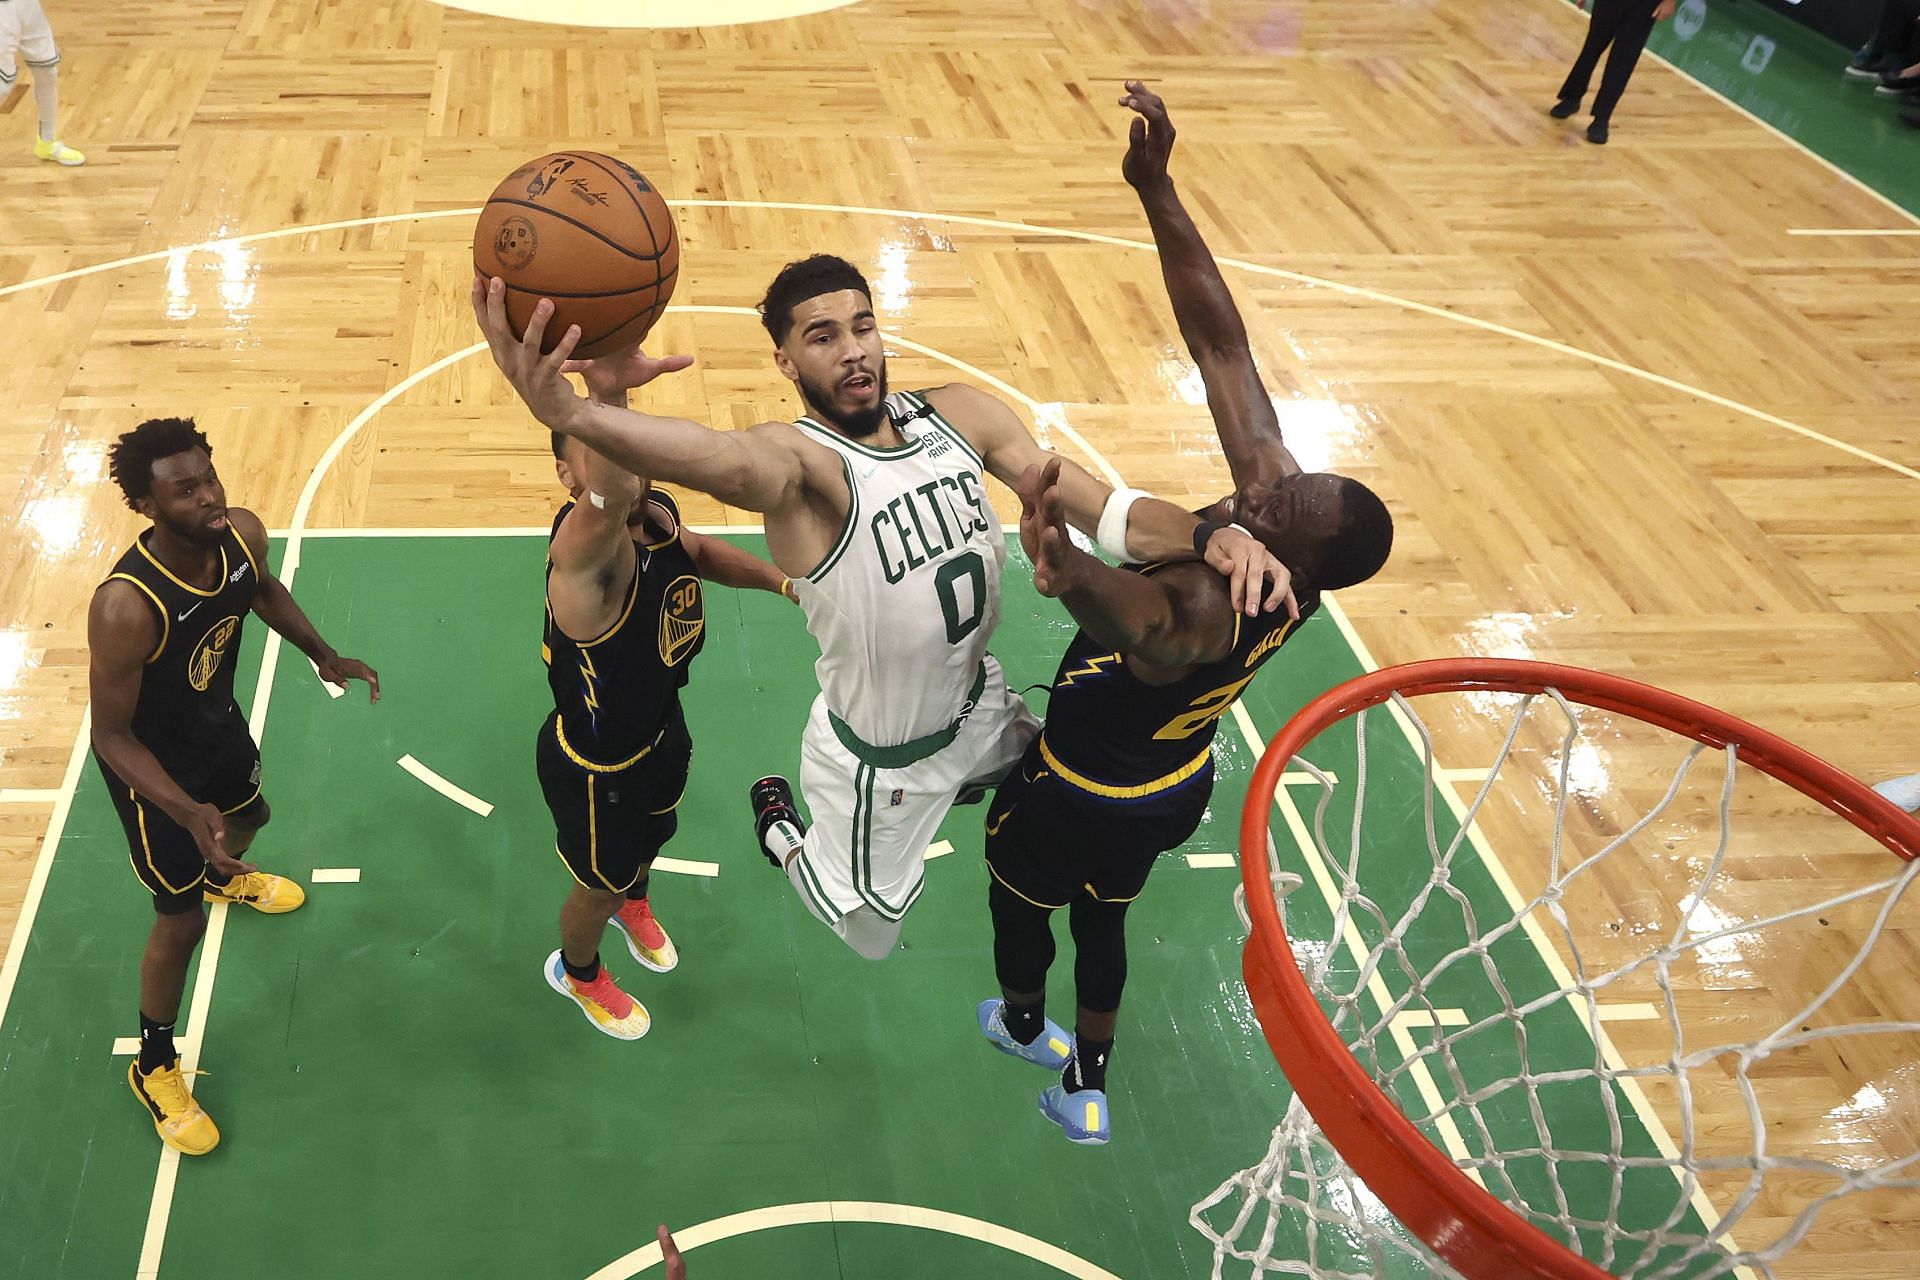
(1302, 1211)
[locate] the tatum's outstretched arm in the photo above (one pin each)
(769, 468)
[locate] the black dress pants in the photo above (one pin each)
(1623, 24)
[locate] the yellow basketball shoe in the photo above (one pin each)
(610, 1010)
(647, 941)
(177, 1118)
(273, 895)
(58, 152)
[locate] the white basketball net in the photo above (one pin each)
(1301, 1211)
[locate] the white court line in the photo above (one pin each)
(465, 799)
(1209, 861)
(335, 875)
(128, 1046)
(43, 864)
(1299, 778)
(1470, 774)
(939, 849)
(838, 1213)
(1854, 232)
(1630, 1013)
(684, 867)
(1420, 1018)
(50, 795)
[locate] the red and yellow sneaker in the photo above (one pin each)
(177, 1118)
(607, 1007)
(271, 895)
(647, 941)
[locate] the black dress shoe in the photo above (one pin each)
(1867, 65)
(1564, 108)
(1891, 84)
(1597, 131)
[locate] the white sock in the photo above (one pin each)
(46, 95)
(784, 841)
(1904, 792)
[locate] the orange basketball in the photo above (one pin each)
(589, 232)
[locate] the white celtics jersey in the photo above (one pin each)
(904, 604)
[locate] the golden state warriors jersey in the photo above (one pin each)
(615, 691)
(1111, 733)
(186, 692)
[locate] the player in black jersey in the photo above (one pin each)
(624, 619)
(180, 765)
(1123, 768)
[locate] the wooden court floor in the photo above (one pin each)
(1624, 417)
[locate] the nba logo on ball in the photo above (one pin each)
(899, 794)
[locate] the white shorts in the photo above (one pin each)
(867, 845)
(23, 27)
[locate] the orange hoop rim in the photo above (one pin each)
(1465, 1224)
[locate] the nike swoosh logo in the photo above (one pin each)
(870, 472)
(182, 617)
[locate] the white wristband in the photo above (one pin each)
(1112, 534)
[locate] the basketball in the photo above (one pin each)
(587, 231)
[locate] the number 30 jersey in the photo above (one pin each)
(1113, 734)
(905, 602)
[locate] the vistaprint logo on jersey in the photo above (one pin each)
(238, 574)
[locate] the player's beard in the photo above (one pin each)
(196, 534)
(857, 425)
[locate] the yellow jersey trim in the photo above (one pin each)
(245, 550)
(1162, 783)
(166, 624)
(560, 736)
(1045, 906)
(176, 579)
(671, 537)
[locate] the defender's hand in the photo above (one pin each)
(1258, 583)
(536, 378)
(338, 670)
(1043, 531)
(608, 376)
(1150, 141)
(208, 828)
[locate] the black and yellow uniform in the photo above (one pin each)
(613, 756)
(1123, 769)
(186, 715)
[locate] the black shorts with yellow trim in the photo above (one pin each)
(611, 819)
(1051, 840)
(226, 775)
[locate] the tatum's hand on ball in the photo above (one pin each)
(624, 370)
(536, 378)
